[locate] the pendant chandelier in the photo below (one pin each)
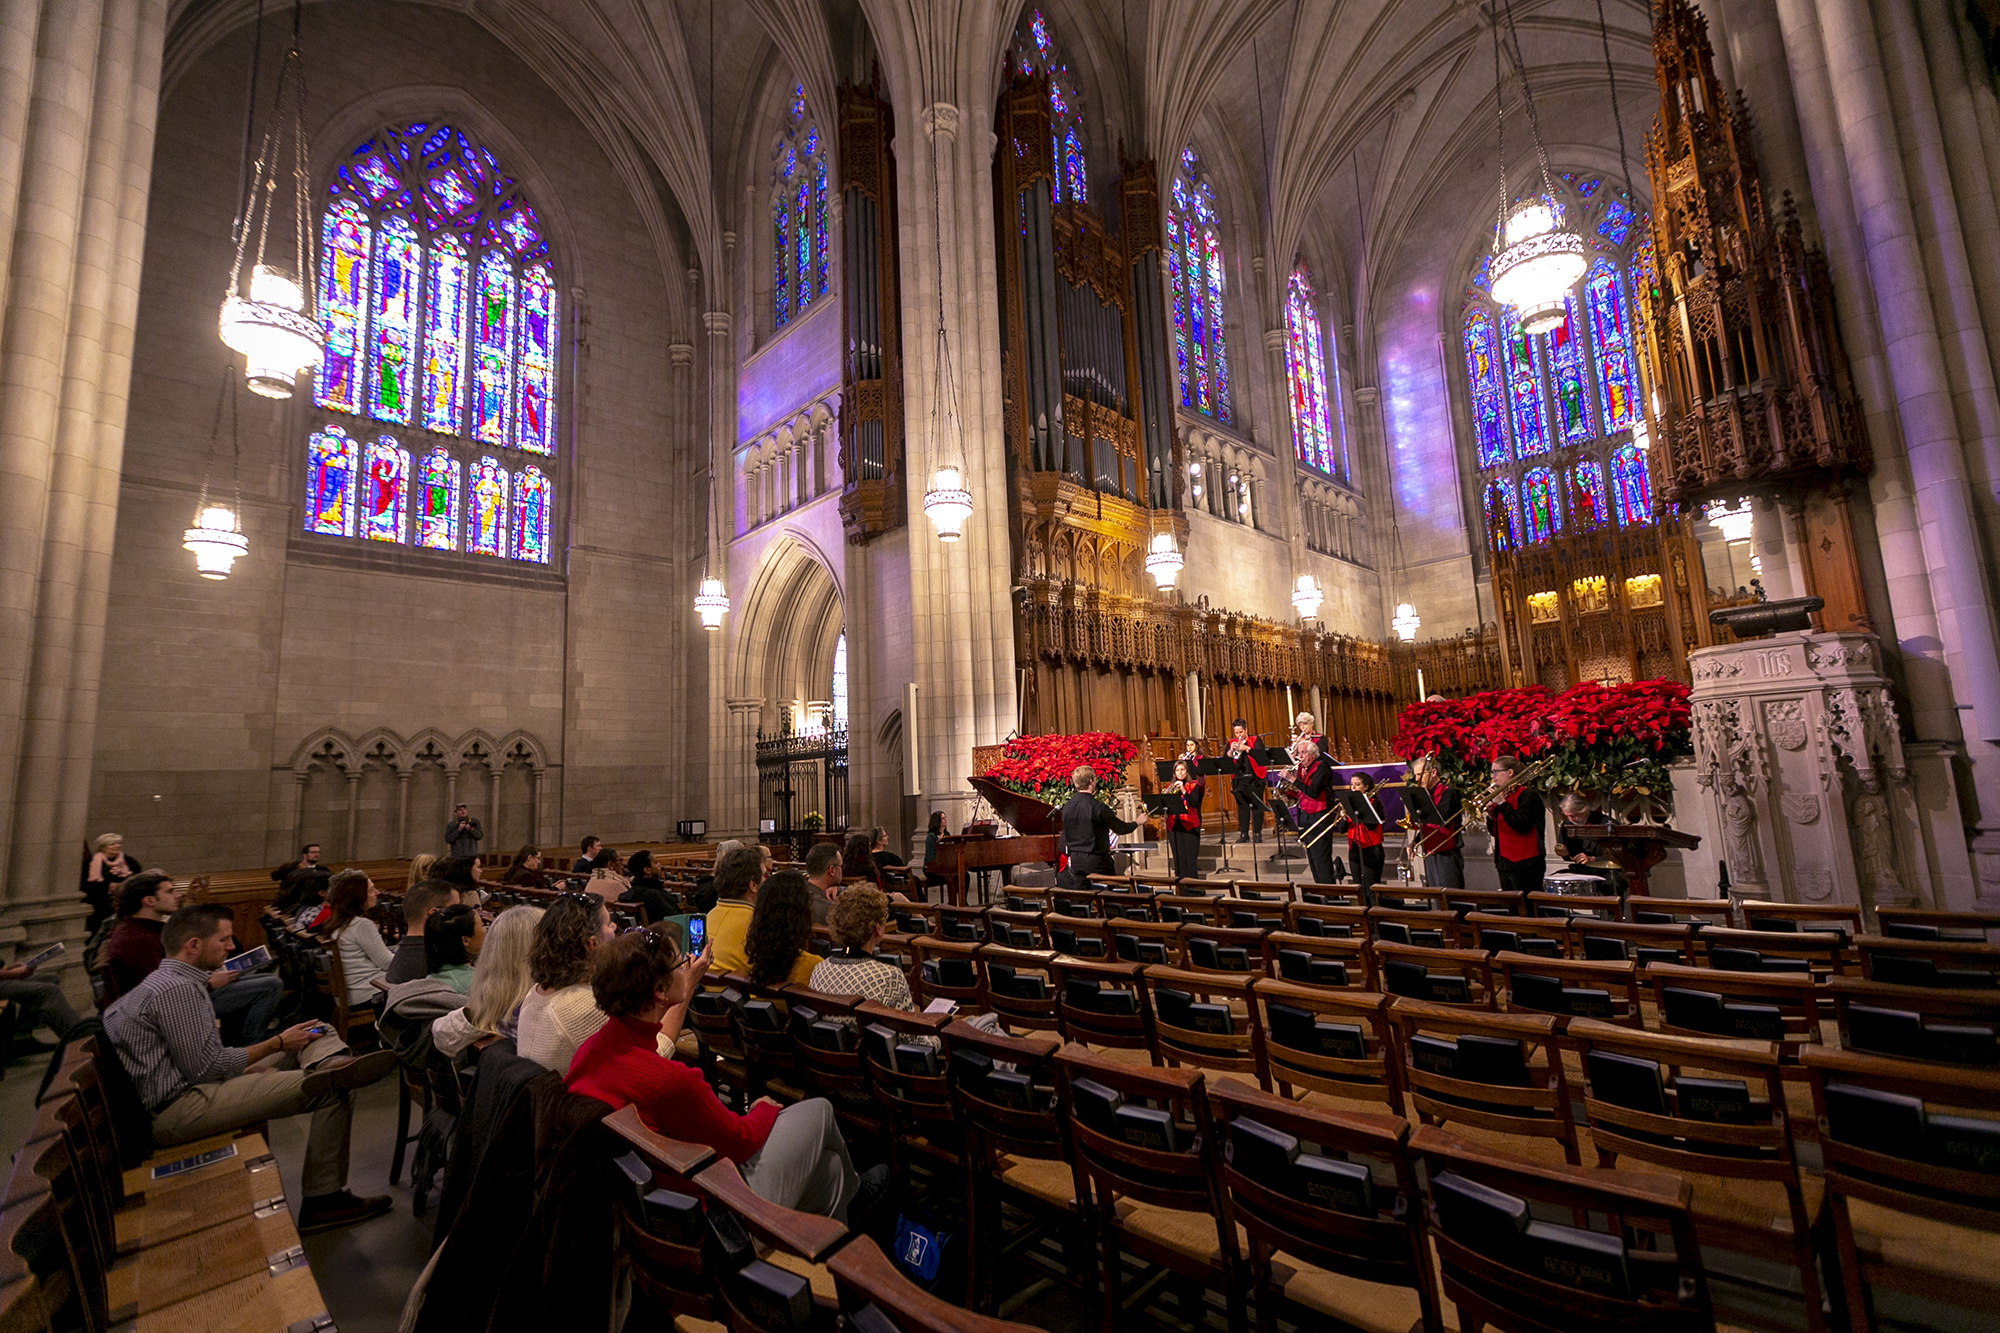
(948, 498)
(1536, 258)
(1306, 596)
(711, 603)
(1406, 622)
(1164, 562)
(217, 539)
(272, 322)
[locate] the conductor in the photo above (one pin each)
(1086, 824)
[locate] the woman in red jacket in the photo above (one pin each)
(1184, 831)
(793, 1157)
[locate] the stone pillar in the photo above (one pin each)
(79, 92)
(1755, 43)
(403, 812)
(494, 765)
(720, 483)
(1292, 528)
(739, 758)
(678, 621)
(353, 815)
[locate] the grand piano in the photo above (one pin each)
(958, 853)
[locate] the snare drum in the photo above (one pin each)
(1581, 886)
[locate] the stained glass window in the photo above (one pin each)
(839, 690)
(1482, 372)
(798, 215)
(1570, 397)
(332, 462)
(486, 511)
(1524, 388)
(385, 490)
(1586, 496)
(1035, 53)
(1616, 223)
(1543, 519)
(1610, 330)
(1195, 276)
(440, 305)
(1305, 365)
(438, 485)
(1631, 490)
(1503, 527)
(531, 515)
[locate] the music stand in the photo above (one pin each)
(1167, 804)
(1277, 816)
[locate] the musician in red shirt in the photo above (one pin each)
(1516, 823)
(1439, 843)
(1316, 792)
(1364, 831)
(1247, 783)
(1184, 831)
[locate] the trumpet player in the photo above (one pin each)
(1364, 832)
(1246, 782)
(1515, 821)
(1304, 729)
(1316, 792)
(1439, 843)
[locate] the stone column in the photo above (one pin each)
(1756, 46)
(1286, 443)
(353, 815)
(720, 483)
(79, 91)
(403, 812)
(739, 758)
(678, 620)
(1771, 537)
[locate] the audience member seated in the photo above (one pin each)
(738, 872)
(857, 864)
(363, 955)
(42, 1003)
(193, 1086)
(500, 982)
(648, 890)
(526, 872)
(452, 939)
(303, 898)
(558, 1012)
(607, 878)
(795, 1158)
(592, 848)
(781, 926)
(462, 872)
(420, 900)
(860, 920)
(245, 1002)
(308, 860)
(879, 849)
(421, 866)
(823, 873)
(109, 867)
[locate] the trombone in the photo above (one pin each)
(1475, 808)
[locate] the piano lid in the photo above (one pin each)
(1027, 815)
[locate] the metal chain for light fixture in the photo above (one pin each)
(1618, 120)
(948, 498)
(1500, 126)
(711, 599)
(272, 321)
(1541, 259)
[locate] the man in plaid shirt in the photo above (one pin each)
(193, 1086)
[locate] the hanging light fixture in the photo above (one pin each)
(1306, 596)
(711, 603)
(947, 500)
(1164, 562)
(272, 322)
(216, 539)
(1536, 258)
(1406, 622)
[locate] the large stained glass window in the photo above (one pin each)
(1482, 372)
(1305, 367)
(1631, 489)
(1195, 277)
(443, 318)
(798, 215)
(1541, 518)
(1035, 53)
(1552, 415)
(839, 689)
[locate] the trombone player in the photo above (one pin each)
(1515, 819)
(1316, 795)
(1438, 841)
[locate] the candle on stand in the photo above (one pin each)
(1420, 684)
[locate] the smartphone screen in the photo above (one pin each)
(697, 934)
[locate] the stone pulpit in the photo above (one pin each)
(1802, 785)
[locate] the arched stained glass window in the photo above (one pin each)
(1503, 526)
(798, 214)
(1305, 367)
(1610, 331)
(1552, 415)
(1569, 381)
(443, 318)
(1035, 53)
(1482, 372)
(531, 515)
(1631, 489)
(1542, 519)
(1195, 277)
(385, 491)
(439, 486)
(1586, 496)
(486, 522)
(332, 461)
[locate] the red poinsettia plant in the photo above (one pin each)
(1041, 766)
(1595, 737)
